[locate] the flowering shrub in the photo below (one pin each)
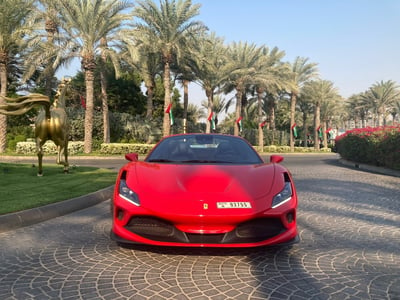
(377, 146)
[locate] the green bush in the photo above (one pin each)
(29, 148)
(286, 149)
(376, 146)
(121, 148)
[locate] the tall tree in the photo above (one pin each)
(185, 75)
(86, 23)
(243, 61)
(171, 28)
(303, 71)
(219, 105)
(357, 110)
(395, 111)
(319, 91)
(210, 68)
(381, 96)
(146, 60)
(107, 54)
(274, 76)
(306, 108)
(15, 25)
(45, 47)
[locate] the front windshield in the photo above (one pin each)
(204, 148)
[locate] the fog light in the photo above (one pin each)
(290, 217)
(120, 215)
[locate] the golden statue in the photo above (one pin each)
(51, 123)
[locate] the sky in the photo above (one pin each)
(355, 43)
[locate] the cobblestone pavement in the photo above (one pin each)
(348, 220)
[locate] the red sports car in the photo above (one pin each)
(204, 190)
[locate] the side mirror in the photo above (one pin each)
(276, 159)
(132, 156)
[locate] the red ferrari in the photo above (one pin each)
(204, 190)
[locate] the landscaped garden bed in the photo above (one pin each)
(378, 146)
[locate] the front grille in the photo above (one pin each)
(151, 226)
(263, 228)
(156, 229)
(248, 232)
(197, 238)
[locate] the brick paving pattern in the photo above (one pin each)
(349, 223)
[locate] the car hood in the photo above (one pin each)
(175, 187)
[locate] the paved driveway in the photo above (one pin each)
(349, 224)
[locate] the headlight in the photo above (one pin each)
(283, 196)
(126, 193)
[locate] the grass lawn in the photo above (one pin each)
(21, 188)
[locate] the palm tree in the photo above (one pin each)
(380, 97)
(303, 71)
(171, 30)
(319, 91)
(274, 76)
(395, 111)
(106, 54)
(209, 68)
(195, 112)
(219, 105)
(357, 109)
(185, 74)
(243, 65)
(306, 108)
(329, 109)
(145, 59)
(15, 25)
(45, 46)
(86, 23)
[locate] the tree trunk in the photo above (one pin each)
(51, 29)
(316, 125)
(209, 109)
(3, 118)
(260, 120)
(238, 110)
(104, 104)
(185, 102)
(305, 144)
(49, 82)
(89, 79)
(272, 120)
(150, 94)
(324, 134)
(293, 98)
(167, 99)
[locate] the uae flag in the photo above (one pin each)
(239, 122)
(294, 130)
(169, 111)
(83, 102)
(319, 130)
(211, 119)
(329, 133)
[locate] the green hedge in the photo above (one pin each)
(121, 148)
(286, 149)
(29, 148)
(48, 148)
(378, 146)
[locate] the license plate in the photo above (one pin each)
(233, 205)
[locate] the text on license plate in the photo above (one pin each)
(233, 205)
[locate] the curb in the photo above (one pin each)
(39, 214)
(370, 168)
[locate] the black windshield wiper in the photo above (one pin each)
(206, 161)
(159, 160)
